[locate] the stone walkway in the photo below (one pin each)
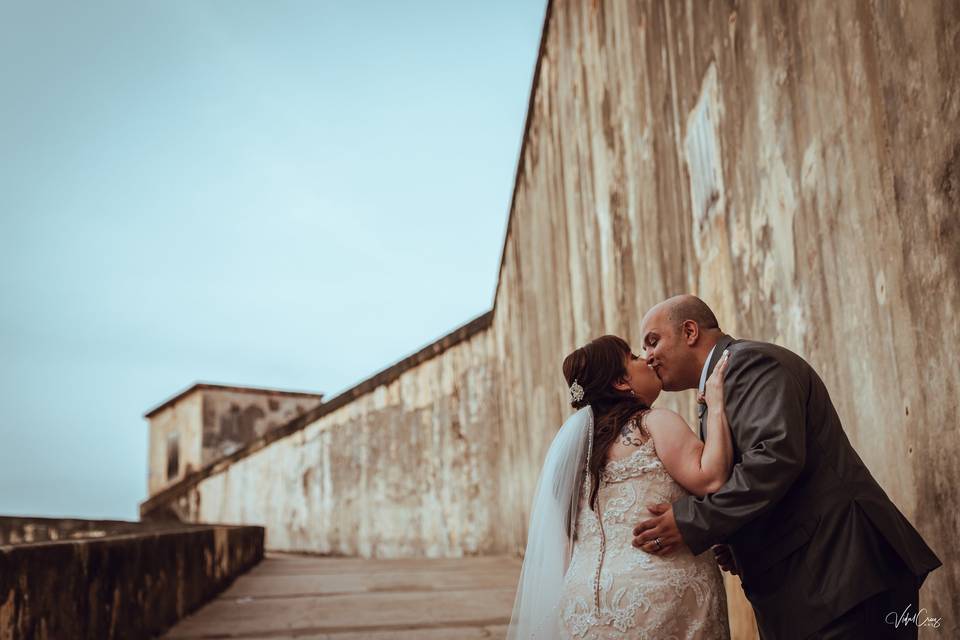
(306, 597)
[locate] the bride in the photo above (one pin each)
(613, 458)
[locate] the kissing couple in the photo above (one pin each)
(629, 499)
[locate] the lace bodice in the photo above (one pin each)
(614, 590)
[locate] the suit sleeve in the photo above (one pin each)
(765, 407)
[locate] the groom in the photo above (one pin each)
(821, 550)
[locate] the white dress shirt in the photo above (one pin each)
(703, 374)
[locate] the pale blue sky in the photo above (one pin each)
(283, 194)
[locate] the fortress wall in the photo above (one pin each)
(795, 164)
(404, 470)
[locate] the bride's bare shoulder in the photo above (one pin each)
(658, 419)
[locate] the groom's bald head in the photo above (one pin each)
(677, 335)
(690, 307)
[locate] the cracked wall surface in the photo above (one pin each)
(797, 165)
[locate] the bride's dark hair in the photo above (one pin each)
(596, 367)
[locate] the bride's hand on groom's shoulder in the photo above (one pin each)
(713, 390)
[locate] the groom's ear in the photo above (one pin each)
(691, 332)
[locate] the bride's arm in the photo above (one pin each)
(699, 467)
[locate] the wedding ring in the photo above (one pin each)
(657, 542)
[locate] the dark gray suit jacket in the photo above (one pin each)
(812, 531)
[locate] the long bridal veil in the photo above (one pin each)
(553, 520)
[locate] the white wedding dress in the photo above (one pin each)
(613, 590)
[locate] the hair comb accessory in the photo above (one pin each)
(576, 392)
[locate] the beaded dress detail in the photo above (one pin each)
(613, 590)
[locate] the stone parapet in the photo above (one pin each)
(133, 584)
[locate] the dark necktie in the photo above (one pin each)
(701, 411)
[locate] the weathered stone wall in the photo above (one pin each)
(231, 419)
(29, 529)
(179, 425)
(131, 585)
(405, 469)
(795, 164)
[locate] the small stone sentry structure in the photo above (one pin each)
(207, 421)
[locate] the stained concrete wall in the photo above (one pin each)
(231, 419)
(795, 164)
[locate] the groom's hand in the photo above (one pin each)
(662, 527)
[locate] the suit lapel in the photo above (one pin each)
(722, 344)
